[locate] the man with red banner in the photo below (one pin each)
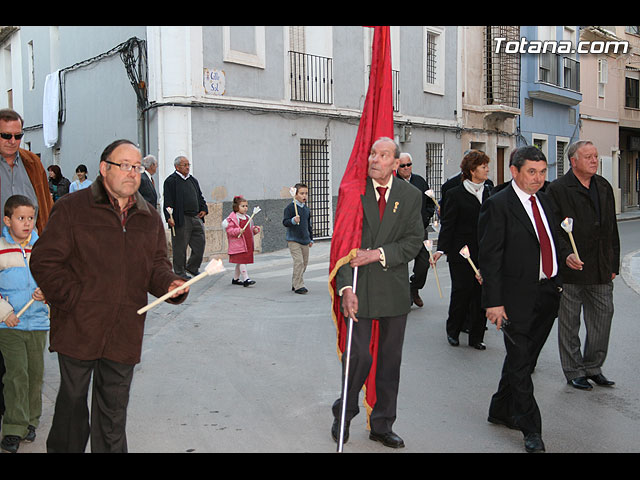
(391, 237)
(378, 233)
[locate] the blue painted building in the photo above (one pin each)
(550, 92)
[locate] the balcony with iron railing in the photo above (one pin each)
(311, 79)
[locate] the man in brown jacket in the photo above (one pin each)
(101, 252)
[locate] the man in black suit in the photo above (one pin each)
(521, 290)
(391, 236)
(421, 262)
(147, 185)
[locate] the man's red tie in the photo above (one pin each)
(545, 243)
(382, 201)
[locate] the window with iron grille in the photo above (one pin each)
(561, 147)
(501, 69)
(314, 172)
(432, 56)
(433, 60)
(434, 167)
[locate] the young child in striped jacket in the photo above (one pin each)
(23, 327)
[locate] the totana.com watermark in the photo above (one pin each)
(559, 46)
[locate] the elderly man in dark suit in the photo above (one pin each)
(147, 184)
(521, 290)
(392, 234)
(588, 199)
(421, 264)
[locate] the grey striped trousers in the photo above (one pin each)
(596, 304)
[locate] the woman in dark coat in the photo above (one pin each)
(58, 185)
(459, 228)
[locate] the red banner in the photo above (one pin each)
(376, 122)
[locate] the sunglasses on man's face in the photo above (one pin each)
(7, 136)
(402, 165)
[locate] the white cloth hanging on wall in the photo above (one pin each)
(50, 107)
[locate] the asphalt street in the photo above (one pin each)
(255, 369)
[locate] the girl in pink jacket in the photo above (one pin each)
(240, 241)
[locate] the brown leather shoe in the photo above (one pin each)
(415, 297)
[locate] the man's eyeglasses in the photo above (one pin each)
(402, 165)
(126, 167)
(7, 136)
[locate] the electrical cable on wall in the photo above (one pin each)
(133, 53)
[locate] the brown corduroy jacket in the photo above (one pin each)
(95, 274)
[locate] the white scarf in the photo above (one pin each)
(474, 188)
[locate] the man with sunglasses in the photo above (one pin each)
(421, 262)
(21, 172)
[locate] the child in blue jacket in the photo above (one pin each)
(23, 332)
(297, 219)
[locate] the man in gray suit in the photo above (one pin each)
(392, 234)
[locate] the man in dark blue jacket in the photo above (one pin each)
(421, 263)
(297, 219)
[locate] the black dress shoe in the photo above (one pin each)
(335, 431)
(454, 342)
(601, 380)
(301, 291)
(533, 443)
(479, 346)
(248, 282)
(580, 383)
(388, 439)
(237, 282)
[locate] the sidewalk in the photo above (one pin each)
(630, 264)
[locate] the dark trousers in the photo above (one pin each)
(514, 401)
(464, 305)
(191, 234)
(420, 268)
(389, 359)
(70, 429)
